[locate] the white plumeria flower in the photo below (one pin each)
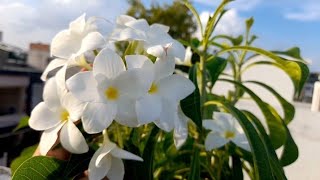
(107, 161)
(180, 133)
(59, 111)
(109, 91)
(187, 59)
(69, 45)
(160, 103)
(224, 129)
(155, 38)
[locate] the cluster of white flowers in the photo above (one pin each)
(89, 83)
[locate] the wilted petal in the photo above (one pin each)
(116, 172)
(214, 141)
(122, 154)
(180, 133)
(48, 139)
(108, 63)
(99, 172)
(98, 116)
(43, 118)
(175, 87)
(92, 41)
(64, 44)
(72, 139)
(148, 108)
(54, 64)
(84, 87)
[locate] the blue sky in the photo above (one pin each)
(280, 24)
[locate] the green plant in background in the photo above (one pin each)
(222, 141)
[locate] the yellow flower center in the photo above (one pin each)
(64, 115)
(229, 134)
(153, 89)
(111, 93)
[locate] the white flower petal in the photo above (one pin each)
(122, 19)
(84, 87)
(64, 44)
(48, 139)
(138, 61)
(98, 116)
(180, 133)
(104, 151)
(50, 95)
(214, 141)
(225, 120)
(54, 64)
(163, 68)
(122, 154)
(73, 106)
(78, 25)
(159, 28)
(43, 118)
(116, 172)
(127, 34)
(140, 25)
(148, 108)
(92, 41)
(133, 82)
(127, 114)
(108, 63)
(157, 51)
(72, 139)
(177, 50)
(242, 141)
(175, 87)
(99, 172)
(167, 116)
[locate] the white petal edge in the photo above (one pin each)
(42, 118)
(122, 154)
(148, 108)
(72, 139)
(98, 116)
(116, 172)
(108, 63)
(99, 172)
(54, 64)
(48, 139)
(214, 141)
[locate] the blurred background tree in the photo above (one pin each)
(176, 15)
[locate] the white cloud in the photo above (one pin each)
(241, 5)
(308, 11)
(25, 21)
(230, 24)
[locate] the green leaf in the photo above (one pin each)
(290, 152)
(274, 121)
(40, 168)
(214, 19)
(273, 160)
(215, 66)
(234, 40)
(236, 168)
(288, 108)
(249, 23)
(191, 104)
(25, 154)
(292, 52)
(296, 69)
(195, 13)
(22, 123)
(195, 165)
(262, 168)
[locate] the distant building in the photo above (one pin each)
(307, 91)
(38, 55)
